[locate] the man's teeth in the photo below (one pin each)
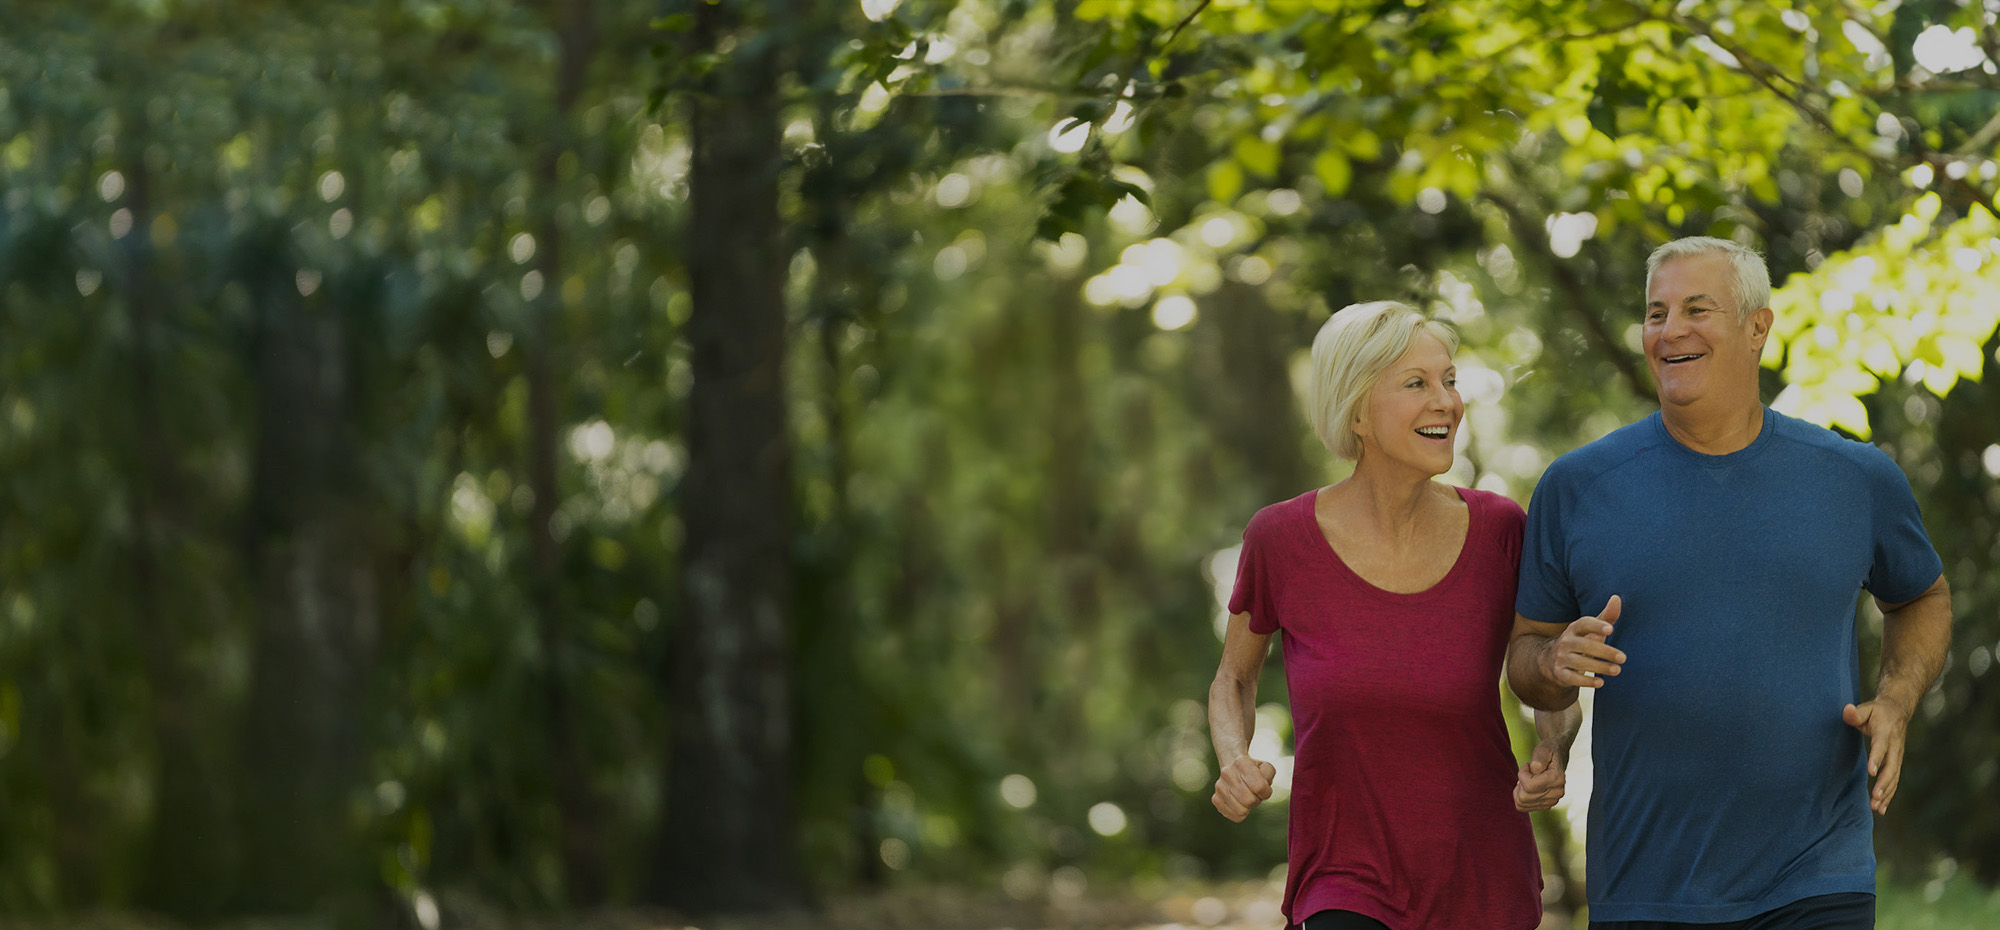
(1682, 358)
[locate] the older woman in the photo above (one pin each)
(1396, 595)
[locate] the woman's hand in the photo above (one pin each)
(1244, 784)
(1539, 785)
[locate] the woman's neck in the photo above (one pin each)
(1398, 501)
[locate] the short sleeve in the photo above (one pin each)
(1904, 562)
(1253, 594)
(1545, 594)
(1507, 521)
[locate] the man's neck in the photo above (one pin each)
(1714, 429)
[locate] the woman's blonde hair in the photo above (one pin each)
(1350, 353)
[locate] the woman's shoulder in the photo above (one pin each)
(1272, 522)
(1494, 505)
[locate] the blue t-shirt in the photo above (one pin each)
(1726, 783)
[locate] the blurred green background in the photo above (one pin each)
(464, 458)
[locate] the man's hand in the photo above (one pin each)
(1244, 784)
(1884, 723)
(1580, 658)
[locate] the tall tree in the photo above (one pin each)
(730, 836)
(583, 849)
(316, 610)
(189, 840)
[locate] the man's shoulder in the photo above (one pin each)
(1593, 459)
(1829, 445)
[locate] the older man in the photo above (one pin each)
(1722, 546)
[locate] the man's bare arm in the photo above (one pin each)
(1547, 662)
(1916, 635)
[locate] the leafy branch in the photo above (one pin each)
(1576, 296)
(1769, 76)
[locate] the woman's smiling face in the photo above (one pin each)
(1413, 412)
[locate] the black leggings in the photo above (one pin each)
(1342, 920)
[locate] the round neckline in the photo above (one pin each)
(1325, 546)
(1726, 459)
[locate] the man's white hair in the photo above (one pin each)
(1750, 285)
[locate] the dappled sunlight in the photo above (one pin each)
(408, 501)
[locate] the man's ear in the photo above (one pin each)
(1760, 327)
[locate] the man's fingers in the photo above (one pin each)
(1860, 718)
(1595, 648)
(1603, 665)
(1611, 610)
(1584, 627)
(1885, 751)
(1269, 771)
(1581, 663)
(1572, 678)
(1885, 786)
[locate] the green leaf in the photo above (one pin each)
(1257, 155)
(1334, 171)
(1225, 181)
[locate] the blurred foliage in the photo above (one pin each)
(278, 277)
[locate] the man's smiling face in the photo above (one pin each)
(1697, 344)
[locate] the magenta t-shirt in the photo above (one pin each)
(1403, 776)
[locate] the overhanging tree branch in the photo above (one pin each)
(1576, 295)
(1767, 76)
(1183, 24)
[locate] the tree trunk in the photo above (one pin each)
(730, 837)
(185, 865)
(303, 749)
(1245, 354)
(833, 738)
(585, 867)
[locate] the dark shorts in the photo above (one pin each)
(1342, 920)
(1846, 911)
